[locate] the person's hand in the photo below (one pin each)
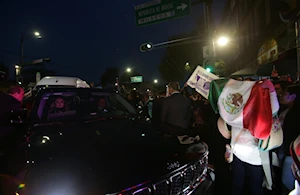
(267, 84)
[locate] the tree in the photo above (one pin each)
(4, 72)
(109, 76)
(179, 61)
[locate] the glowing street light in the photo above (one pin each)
(155, 81)
(222, 41)
(128, 70)
(37, 34)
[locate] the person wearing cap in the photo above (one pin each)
(295, 153)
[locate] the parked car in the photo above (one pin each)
(88, 141)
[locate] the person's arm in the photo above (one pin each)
(150, 106)
(164, 112)
(273, 96)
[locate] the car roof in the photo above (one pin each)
(61, 80)
(66, 89)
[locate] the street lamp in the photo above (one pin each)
(155, 81)
(222, 41)
(36, 35)
(128, 70)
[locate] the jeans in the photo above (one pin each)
(288, 179)
(242, 171)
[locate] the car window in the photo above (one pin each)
(105, 105)
(63, 105)
(57, 105)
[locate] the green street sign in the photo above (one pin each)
(136, 79)
(160, 10)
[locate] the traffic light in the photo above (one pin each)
(208, 69)
(146, 47)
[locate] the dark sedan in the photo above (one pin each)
(89, 141)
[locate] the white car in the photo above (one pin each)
(61, 81)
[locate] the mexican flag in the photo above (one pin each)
(243, 104)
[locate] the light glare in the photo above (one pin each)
(222, 41)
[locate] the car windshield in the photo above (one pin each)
(70, 105)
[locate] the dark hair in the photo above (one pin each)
(249, 79)
(174, 85)
(283, 84)
(14, 90)
(162, 92)
(295, 89)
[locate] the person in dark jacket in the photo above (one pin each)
(10, 101)
(157, 107)
(176, 110)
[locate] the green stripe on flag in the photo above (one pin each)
(215, 90)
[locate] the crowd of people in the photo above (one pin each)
(178, 112)
(186, 112)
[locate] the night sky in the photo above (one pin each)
(83, 38)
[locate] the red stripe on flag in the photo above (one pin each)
(257, 113)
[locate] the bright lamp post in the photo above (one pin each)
(221, 41)
(36, 35)
(128, 70)
(21, 62)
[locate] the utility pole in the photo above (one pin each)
(21, 61)
(21, 49)
(209, 32)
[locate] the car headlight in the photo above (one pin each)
(45, 139)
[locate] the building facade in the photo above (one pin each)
(262, 35)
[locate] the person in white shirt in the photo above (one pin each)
(247, 162)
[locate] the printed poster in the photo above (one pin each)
(200, 80)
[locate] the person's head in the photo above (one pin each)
(132, 95)
(249, 79)
(162, 94)
(102, 102)
(295, 153)
(145, 97)
(173, 87)
(17, 92)
(59, 103)
(280, 87)
(291, 96)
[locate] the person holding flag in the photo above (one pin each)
(248, 107)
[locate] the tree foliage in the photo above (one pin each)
(179, 61)
(4, 72)
(109, 76)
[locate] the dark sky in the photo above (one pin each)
(83, 38)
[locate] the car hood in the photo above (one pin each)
(101, 156)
